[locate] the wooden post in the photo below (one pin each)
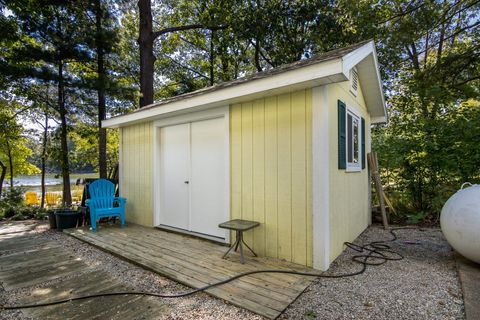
(373, 163)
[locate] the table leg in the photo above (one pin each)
(229, 249)
(249, 248)
(240, 237)
(237, 241)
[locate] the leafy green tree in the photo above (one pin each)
(429, 53)
(13, 149)
(40, 113)
(50, 37)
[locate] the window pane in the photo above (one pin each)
(356, 140)
(349, 139)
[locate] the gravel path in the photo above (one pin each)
(422, 286)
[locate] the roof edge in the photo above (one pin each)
(330, 67)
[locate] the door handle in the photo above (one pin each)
(186, 182)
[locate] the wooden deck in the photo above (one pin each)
(196, 262)
(45, 271)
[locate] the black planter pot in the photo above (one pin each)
(66, 219)
(52, 220)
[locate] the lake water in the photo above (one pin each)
(52, 182)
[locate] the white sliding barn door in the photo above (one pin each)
(193, 191)
(174, 170)
(207, 190)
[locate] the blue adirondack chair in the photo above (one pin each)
(103, 203)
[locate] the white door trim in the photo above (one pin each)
(221, 112)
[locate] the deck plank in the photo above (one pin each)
(196, 262)
(207, 262)
(31, 264)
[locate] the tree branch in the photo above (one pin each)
(188, 68)
(159, 33)
(402, 13)
(466, 81)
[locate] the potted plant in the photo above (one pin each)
(66, 218)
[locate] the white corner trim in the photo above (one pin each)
(120, 161)
(156, 174)
(321, 178)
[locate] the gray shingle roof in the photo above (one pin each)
(330, 55)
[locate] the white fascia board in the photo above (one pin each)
(379, 81)
(301, 78)
(353, 58)
(378, 120)
(371, 84)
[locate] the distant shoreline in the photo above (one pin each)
(52, 180)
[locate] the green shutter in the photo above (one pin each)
(342, 136)
(363, 144)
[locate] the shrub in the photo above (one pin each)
(9, 212)
(12, 197)
(28, 212)
(19, 216)
(40, 214)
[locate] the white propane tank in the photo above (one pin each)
(460, 221)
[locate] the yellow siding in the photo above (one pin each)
(349, 196)
(270, 174)
(136, 172)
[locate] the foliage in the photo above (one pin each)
(425, 161)
(258, 35)
(84, 142)
(430, 145)
(13, 144)
(10, 201)
(25, 213)
(428, 51)
(12, 206)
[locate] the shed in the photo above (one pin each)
(285, 147)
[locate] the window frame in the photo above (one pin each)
(352, 166)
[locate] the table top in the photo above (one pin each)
(239, 225)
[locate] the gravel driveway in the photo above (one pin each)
(422, 286)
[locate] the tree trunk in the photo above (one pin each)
(67, 196)
(10, 163)
(145, 42)
(2, 176)
(102, 132)
(44, 159)
(257, 56)
(147, 59)
(212, 58)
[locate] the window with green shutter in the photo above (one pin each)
(351, 139)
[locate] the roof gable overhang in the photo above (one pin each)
(332, 70)
(365, 59)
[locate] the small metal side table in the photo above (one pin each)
(239, 226)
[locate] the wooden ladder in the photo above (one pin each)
(382, 198)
